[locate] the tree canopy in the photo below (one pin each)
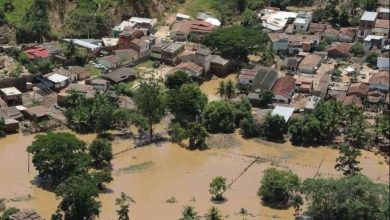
(219, 116)
(347, 162)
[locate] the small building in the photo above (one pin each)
(285, 112)
(170, 52)
(36, 113)
(156, 51)
(347, 34)
(11, 95)
(303, 84)
(199, 29)
(372, 42)
(180, 31)
(380, 81)
(59, 81)
(82, 73)
(301, 23)
(121, 75)
(219, 66)
(339, 50)
(276, 21)
(25, 215)
(127, 56)
(367, 23)
(383, 13)
(316, 28)
(382, 28)
(247, 76)
(203, 58)
(284, 89)
(264, 80)
(331, 34)
(98, 84)
(375, 96)
(310, 63)
(337, 95)
(110, 62)
(279, 41)
(37, 53)
(383, 63)
(148, 24)
(291, 63)
(11, 113)
(353, 100)
(358, 89)
(209, 18)
(142, 46)
(126, 36)
(180, 17)
(91, 45)
(11, 125)
(192, 69)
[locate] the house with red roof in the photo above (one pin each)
(199, 29)
(284, 89)
(339, 50)
(36, 53)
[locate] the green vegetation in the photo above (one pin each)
(124, 203)
(189, 214)
(217, 188)
(218, 117)
(101, 151)
(213, 214)
(137, 167)
(305, 130)
(347, 161)
(8, 212)
(176, 80)
(2, 128)
(15, 12)
(372, 58)
(226, 90)
(279, 187)
(273, 127)
(354, 197)
(101, 177)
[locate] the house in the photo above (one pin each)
(126, 36)
(247, 76)
(63, 72)
(37, 53)
(279, 41)
(320, 87)
(291, 63)
(203, 58)
(302, 21)
(358, 89)
(180, 17)
(339, 50)
(25, 215)
(264, 80)
(147, 24)
(380, 81)
(284, 89)
(285, 112)
(91, 45)
(372, 42)
(86, 90)
(82, 73)
(381, 28)
(376, 96)
(306, 43)
(208, 18)
(192, 69)
(127, 56)
(36, 113)
(110, 62)
(353, 100)
(367, 23)
(310, 63)
(11, 125)
(53, 47)
(331, 34)
(337, 95)
(121, 75)
(11, 95)
(219, 66)
(59, 81)
(98, 84)
(170, 52)
(383, 63)
(316, 28)
(142, 46)
(156, 51)
(180, 31)
(383, 13)
(11, 113)
(110, 42)
(347, 34)
(199, 29)
(276, 21)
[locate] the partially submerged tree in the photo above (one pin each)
(124, 203)
(189, 213)
(217, 188)
(213, 214)
(101, 151)
(347, 161)
(219, 116)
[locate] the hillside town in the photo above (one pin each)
(191, 79)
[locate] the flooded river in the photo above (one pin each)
(153, 174)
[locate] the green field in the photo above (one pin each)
(20, 6)
(192, 7)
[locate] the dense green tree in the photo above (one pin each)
(230, 89)
(187, 103)
(352, 197)
(213, 214)
(242, 110)
(58, 155)
(236, 42)
(219, 116)
(151, 101)
(384, 125)
(356, 131)
(265, 99)
(347, 161)
(189, 214)
(372, 58)
(221, 90)
(249, 128)
(124, 203)
(278, 187)
(357, 49)
(305, 130)
(2, 128)
(249, 18)
(101, 151)
(78, 194)
(256, 4)
(178, 132)
(369, 5)
(217, 188)
(101, 177)
(177, 79)
(104, 119)
(8, 212)
(273, 127)
(329, 114)
(197, 135)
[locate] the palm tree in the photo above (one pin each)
(221, 90)
(230, 90)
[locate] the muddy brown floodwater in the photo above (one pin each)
(153, 174)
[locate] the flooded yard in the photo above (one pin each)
(153, 174)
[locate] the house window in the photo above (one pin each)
(295, 27)
(302, 27)
(250, 81)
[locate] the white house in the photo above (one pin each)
(371, 41)
(276, 20)
(383, 63)
(59, 81)
(301, 23)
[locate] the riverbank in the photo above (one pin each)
(153, 174)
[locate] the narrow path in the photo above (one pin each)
(319, 166)
(242, 172)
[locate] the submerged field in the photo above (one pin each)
(153, 174)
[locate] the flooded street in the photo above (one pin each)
(153, 174)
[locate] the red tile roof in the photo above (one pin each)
(358, 89)
(347, 31)
(353, 99)
(342, 48)
(36, 53)
(190, 66)
(284, 86)
(202, 26)
(380, 23)
(112, 59)
(381, 77)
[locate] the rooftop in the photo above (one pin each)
(373, 37)
(284, 86)
(311, 60)
(285, 112)
(369, 16)
(218, 59)
(384, 9)
(277, 20)
(190, 66)
(37, 111)
(25, 215)
(57, 78)
(83, 43)
(109, 42)
(10, 91)
(381, 23)
(277, 36)
(34, 53)
(111, 59)
(121, 74)
(173, 47)
(381, 77)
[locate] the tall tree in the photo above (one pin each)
(78, 195)
(221, 90)
(177, 79)
(356, 131)
(197, 135)
(151, 100)
(273, 127)
(217, 188)
(230, 89)
(124, 203)
(347, 161)
(219, 116)
(101, 151)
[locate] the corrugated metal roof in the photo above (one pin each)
(285, 112)
(369, 16)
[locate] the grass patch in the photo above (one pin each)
(137, 168)
(94, 71)
(15, 16)
(192, 7)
